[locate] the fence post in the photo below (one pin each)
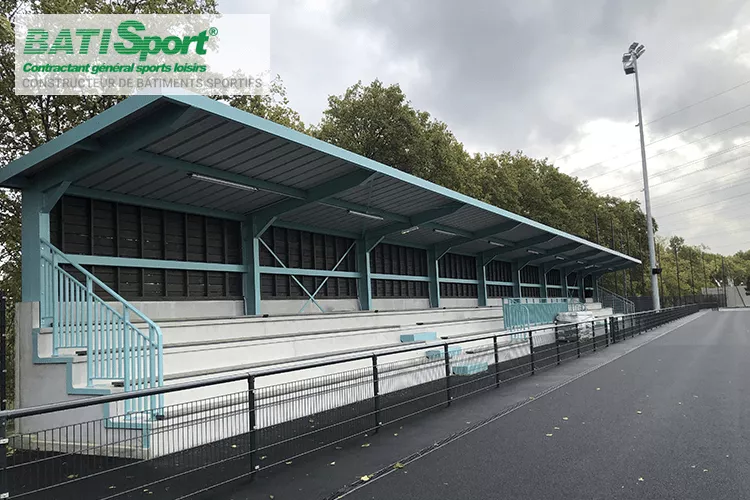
(531, 350)
(4, 493)
(251, 422)
(557, 344)
(3, 355)
(447, 375)
(606, 332)
(593, 334)
(497, 362)
(376, 391)
(578, 341)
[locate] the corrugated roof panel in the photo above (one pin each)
(113, 169)
(185, 135)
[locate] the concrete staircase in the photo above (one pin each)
(199, 349)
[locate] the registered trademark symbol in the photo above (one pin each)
(213, 31)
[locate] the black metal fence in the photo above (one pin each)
(645, 303)
(213, 433)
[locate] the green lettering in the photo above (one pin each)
(124, 32)
(86, 35)
(36, 41)
(63, 43)
(104, 47)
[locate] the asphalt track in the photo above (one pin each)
(669, 420)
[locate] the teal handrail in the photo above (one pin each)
(539, 311)
(115, 347)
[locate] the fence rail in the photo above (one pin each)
(255, 420)
(80, 319)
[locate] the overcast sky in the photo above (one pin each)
(545, 77)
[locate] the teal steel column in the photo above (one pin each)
(364, 282)
(516, 279)
(251, 261)
(481, 282)
(564, 282)
(543, 280)
(432, 273)
(581, 286)
(34, 226)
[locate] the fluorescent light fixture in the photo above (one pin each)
(633, 46)
(559, 257)
(447, 233)
(534, 252)
(221, 182)
(495, 243)
(365, 215)
(589, 266)
(580, 262)
(407, 231)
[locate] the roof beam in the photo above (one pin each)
(483, 233)
(124, 144)
(266, 216)
(195, 168)
(567, 263)
(415, 220)
(97, 194)
(546, 254)
(519, 245)
(53, 195)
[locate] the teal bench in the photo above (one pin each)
(440, 353)
(419, 337)
(470, 369)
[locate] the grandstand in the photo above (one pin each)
(174, 239)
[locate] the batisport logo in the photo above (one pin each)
(131, 41)
(120, 54)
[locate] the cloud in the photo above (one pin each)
(544, 77)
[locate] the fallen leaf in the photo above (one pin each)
(112, 487)
(234, 446)
(263, 457)
(679, 403)
(395, 433)
(365, 478)
(640, 479)
(366, 445)
(695, 396)
(598, 388)
(557, 428)
(270, 496)
(549, 435)
(639, 412)
(705, 470)
(333, 463)
(72, 476)
(339, 448)
(565, 418)
(692, 466)
(289, 462)
(398, 465)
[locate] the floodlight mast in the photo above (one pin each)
(630, 66)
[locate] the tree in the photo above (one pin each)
(30, 121)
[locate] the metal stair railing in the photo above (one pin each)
(618, 303)
(521, 312)
(115, 347)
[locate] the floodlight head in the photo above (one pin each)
(626, 57)
(633, 46)
(628, 65)
(640, 50)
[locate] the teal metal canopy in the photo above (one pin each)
(193, 154)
